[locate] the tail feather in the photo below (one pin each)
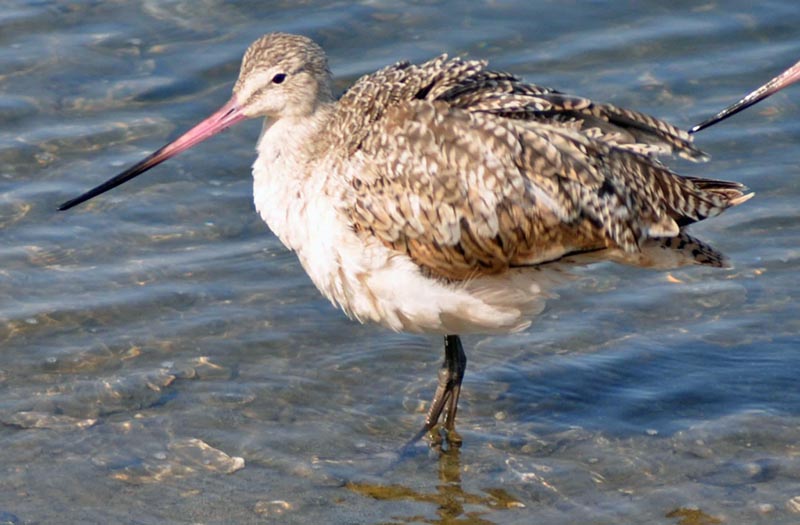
(695, 251)
(692, 199)
(650, 130)
(667, 253)
(734, 193)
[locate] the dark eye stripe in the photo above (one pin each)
(280, 77)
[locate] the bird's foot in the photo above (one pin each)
(442, 439)
(445, 401)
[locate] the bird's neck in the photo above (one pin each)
(287, 172)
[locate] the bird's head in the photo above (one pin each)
(282, 75)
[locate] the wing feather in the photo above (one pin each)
(471, 172)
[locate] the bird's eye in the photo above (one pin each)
(280, 77)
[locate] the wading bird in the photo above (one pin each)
(447, 197)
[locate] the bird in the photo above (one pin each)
(449, 198)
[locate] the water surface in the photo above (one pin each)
(163, 359)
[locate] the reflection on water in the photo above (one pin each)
(163, 359)
(451, 501)
(692, 517)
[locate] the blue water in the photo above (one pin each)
(163, 359)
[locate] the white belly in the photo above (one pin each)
(369, 281)
(373, 283)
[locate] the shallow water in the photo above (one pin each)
(163, 359)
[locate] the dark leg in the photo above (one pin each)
(445, 399)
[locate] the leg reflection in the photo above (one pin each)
(450, 497)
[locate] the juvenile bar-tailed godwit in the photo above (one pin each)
(446, 197)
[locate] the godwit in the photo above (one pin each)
(446, 197)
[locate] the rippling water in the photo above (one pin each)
(164, 360)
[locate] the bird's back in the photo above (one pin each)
(471, 172)
(469, 85)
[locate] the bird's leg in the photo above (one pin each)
(445, 399)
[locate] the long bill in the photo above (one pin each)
(788, 77)
(223, 118)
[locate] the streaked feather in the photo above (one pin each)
(471, 171)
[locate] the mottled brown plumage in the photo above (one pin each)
(471, 171)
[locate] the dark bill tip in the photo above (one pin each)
(788, 77)
(125, 176)
(226, 116)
